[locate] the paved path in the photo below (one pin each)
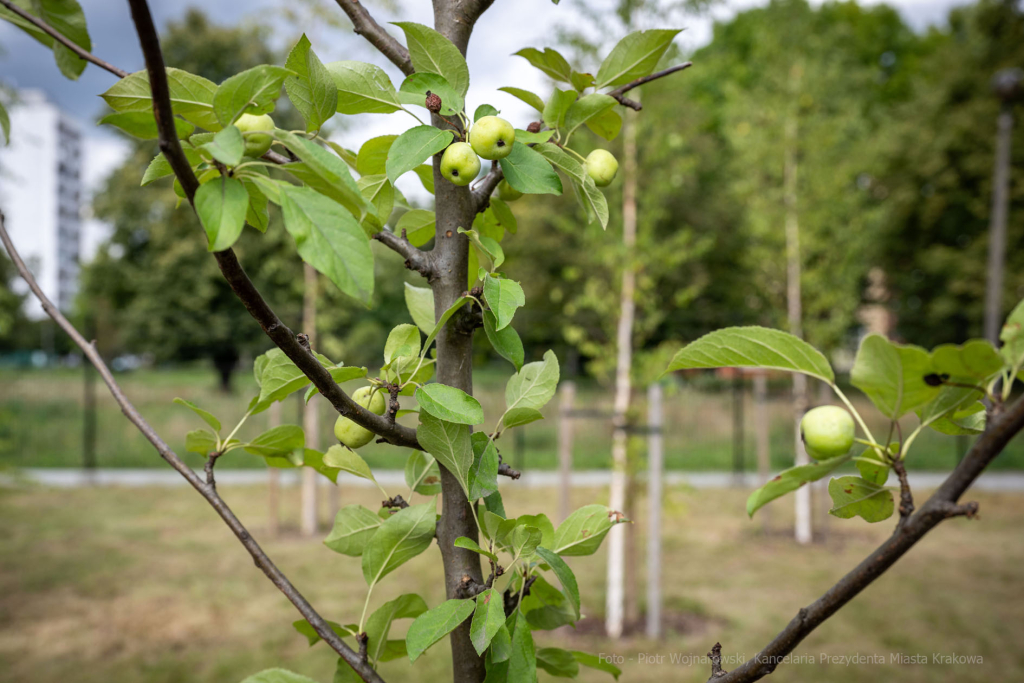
(70, 478)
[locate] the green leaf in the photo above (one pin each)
(435, 624)
(403, 340)
(975, 361)
(503, 215)
(413, 147)
(534, 385)
(892, 375)
(450, 445)
(488, 618)
(221, 206)
(401, 537)
(517, 417)
(330, 240)
(558, 662)
(414, 91)
(257, 214)
(142, 125)
(1012, 336)
(582, 532)
(227, 146)
(422, 474)
(528, 172)
(565, 575)
(325, 173)
(363, 88)
(278, 377)
(483, 477)
(484, 110)
(530, 98)
(191, 96)
(67, 18)
(420, 302)
(432, 52)
(408, 606)
(947, 400)
(524, 540)
(963, 422)
(278, 676)
(586, 109)
(635, 56)
(874, 471)
(522, 662)
(470, 544)
(278, 440)
(201, 441)
(551, 62)
(557, 106)
(528, 138)
(450, 404)
(207, 417)
(753, 347)
(589, 196)
(443, 320)
(347, 460)
(426, 175)
(501, 645)
(353, 527)
(607, 124)
(252, 91)
(419, 225)
(506, 342)
(381, 194)
(791, 480)
(595, 662)
(305, 628)
(374, 154)
(853, 496)
(503, 298)
(312, 90)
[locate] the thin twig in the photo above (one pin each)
(941, 506)
(63, 40)
(206, 490)
(366, 26)
(397, 434)
(906, 497)
(623, 89)
(415, 259)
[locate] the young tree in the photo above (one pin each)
(230, 172)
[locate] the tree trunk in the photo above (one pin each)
(623, 386)
(454, 209)
(762, 426)
(802, 495)
(655, 469)
(310, 415)
(997, 228)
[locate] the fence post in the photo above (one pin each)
(274, 477)
(762, 428)
(655, 467)
(566, 395)
(89, 415)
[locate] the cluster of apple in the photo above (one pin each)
(491, 138)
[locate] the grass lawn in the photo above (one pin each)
(41, 424)
(148, 586)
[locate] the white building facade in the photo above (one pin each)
(41, 195)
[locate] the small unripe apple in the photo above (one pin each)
(492, 137)
(507, 192)
(257, 143)
(601, 166)
(460, 164)
(827, 432)
(351, 434)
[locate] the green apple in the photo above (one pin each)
(351, 434)
(601, 166)
(827, 432)
(460, 164)
(507, 192)
(492, 137)
(257, 142)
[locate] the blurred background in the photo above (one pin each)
(875, 126)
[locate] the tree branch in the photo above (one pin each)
(414, 258)
(397, 434)
(366, 26)
(906, 497)
(62, 39)
(482, 192)
(206, 490)
(942, 505)
(623, 89)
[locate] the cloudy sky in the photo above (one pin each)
(508, 26)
